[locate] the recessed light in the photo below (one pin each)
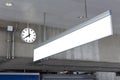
(8, 4)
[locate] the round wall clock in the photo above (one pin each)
(28, 35)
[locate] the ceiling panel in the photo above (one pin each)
(59, 13)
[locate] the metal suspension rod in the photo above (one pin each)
(86, 15)
(44, 25)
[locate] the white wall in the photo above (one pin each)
(3, 37)
(117, 78)
(109, 49)
(88, 51)
(23, 49)
(105, 50)
(106, 76)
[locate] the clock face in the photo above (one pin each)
(28, 35)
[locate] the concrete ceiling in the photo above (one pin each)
(59, 13)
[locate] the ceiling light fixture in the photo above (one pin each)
(8, 4)
(94, 29)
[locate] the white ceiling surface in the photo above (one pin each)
(59, 13)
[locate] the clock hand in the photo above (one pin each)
(28, 31)
(27, 36)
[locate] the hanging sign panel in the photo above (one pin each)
(91, 30)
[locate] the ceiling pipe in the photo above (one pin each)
(86, 15)
(13, 44)
(10, 42)
(8, 45)
(44, 27)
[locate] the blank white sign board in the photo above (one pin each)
(91, 30)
